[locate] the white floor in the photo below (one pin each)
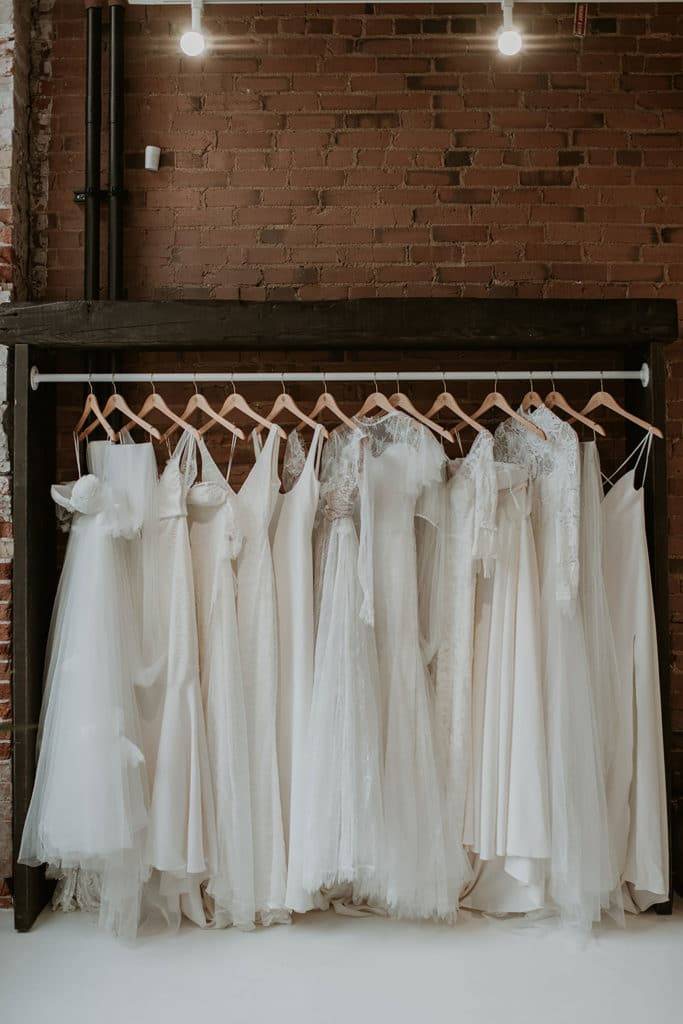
(326, 969)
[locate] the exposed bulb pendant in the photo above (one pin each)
(192, 42)
(509, 37)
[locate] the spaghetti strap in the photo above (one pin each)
(643, 445)
(233, 445)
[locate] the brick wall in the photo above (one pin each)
(342, 152)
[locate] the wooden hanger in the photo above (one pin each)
(327, 401)
(400, 400)
(117, 401)
(556, 399)
(494, 399)
(445, 400)
(238, 402)
(198, 401)
(91, 405)
(284, 401)
(376, 400)
(532, 399)
(604, 399)
(155, 401)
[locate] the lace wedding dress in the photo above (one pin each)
(506, 823)
(344, 836)
(215, 540)
(469, 549)
(401, 481)
(580, 883)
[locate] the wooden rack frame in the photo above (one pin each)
(633, 330)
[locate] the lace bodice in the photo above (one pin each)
(294, 460)
(479, 470)
(555, 468)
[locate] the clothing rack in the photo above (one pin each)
(401, 376)
(622, 334)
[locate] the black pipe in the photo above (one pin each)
(93, 125)
(116, 192)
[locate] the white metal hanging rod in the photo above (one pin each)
(334, 376)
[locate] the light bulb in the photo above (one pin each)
(509, 41)
(192, 43)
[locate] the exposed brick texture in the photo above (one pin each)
(341, 152)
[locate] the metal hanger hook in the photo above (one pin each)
(232, 381)
(151, 383)
(443, 381)
(398, 383)
(282, 382)
(324, 381)
(113, 381)
(495, 382)
(374, 378)
(531, 380)
(552, 379)
(602, 381)
(90, 382)
(194, 381)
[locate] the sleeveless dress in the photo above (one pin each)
(469, 536)
(344, 819)
(257, 625)
(293, 569)
(640, 780)
(215, 541)
(601, 649)
(581, 874)
(181, 843)
(88, 811)
(506, 822)
(402, 480)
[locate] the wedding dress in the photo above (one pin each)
(580, 883)
(601, 649)
(293, 569)
(181, 842)
(640, 780)
(506, 824)
(257, 625)
(470, 546)
(401, 480)
(344, 820)
(88, 812)
(215, 541)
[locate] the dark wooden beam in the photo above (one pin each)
(33, 592)
(365, 323)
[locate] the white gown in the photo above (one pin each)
(181, 842)
(88, 813)
(506, 823)
(402, 478)
(257, 624)
(293, 569)
(215, 540)
(343, 847)
(469, 536)
(640, 778)
(601, 649)
(580, 883)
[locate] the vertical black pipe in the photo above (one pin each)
(116, 94)
(93, 125)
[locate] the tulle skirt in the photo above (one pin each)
(88, 809)
(344, 835)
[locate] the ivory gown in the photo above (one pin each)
(640, 776)
(258, 636)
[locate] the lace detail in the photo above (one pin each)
(294, 460)
(555, 466)
(479, 467)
